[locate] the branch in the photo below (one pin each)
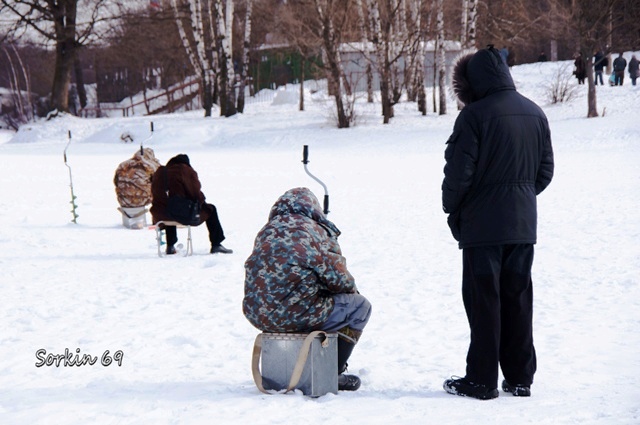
(27, 18)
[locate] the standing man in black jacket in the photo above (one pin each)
(498, 159)
(600, 62)
(619, 65)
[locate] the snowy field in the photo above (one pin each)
(176, 323)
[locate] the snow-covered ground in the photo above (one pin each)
(96, 286)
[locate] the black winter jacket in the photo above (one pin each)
(498, 158)
(619, 64)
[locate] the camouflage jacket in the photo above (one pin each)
(295, 267)
(133, 179)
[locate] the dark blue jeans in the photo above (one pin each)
(598, 76)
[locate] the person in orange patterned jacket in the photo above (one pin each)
(133, 179)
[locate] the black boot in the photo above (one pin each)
(346, 382)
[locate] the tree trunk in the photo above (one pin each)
(197, 56)
(472, 24)
(592, 110)
(382, 42)
(554, 50)
(364, 26)
(441, 59)
(65, 31)
(82, 92)
(62, 76)
(609, 40)
(464, 23)
(244, 65)
(418, 51)
(334, 71)
(395, 33)
(422, 99)
(226, 82)
(301, 103)
(15, 87)
(387, 112)
(227, 44)
(435, 78)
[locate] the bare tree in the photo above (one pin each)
(206, 30)
(148, 45)
(391, 44)
(331, 18)
(194, 22)
(297, 23)
(20, 89)
(418, 54)
(414, 61)
(591, 25)
(59, 23)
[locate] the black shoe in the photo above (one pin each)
(517, 390)
(466, 388)
(348, 382)
(219, 249)
(171, 249)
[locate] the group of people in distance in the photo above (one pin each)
(498, 158)
(600, 63)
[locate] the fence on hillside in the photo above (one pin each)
(184, 96)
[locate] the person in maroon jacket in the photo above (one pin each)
(498, 159)
(179, 178)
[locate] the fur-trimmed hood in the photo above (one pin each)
(477, 75)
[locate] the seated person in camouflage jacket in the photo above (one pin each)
(297, 279)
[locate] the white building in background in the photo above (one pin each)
(354, 63)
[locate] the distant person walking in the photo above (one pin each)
(581, 68)
(599, 63)
(633, 70)
(542, 57)
(619, 65)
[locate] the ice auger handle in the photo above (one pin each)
(305, 161)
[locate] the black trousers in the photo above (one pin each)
(216, 234)
(498, 298)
